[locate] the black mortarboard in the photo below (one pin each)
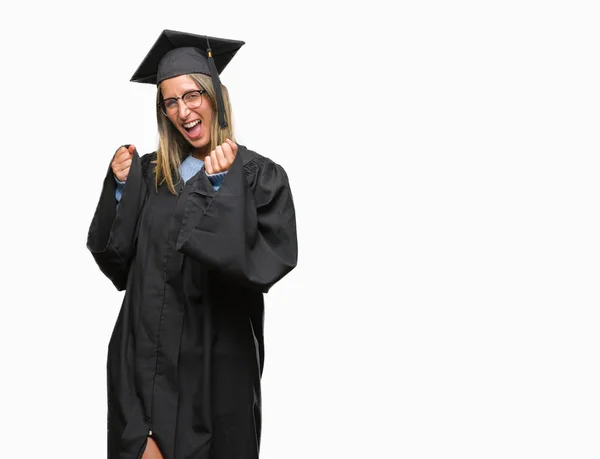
(178, 53)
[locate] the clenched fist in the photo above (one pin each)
(221, 158)
(122, 162)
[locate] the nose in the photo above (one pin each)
(183, 109)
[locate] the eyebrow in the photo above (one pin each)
(183, 94)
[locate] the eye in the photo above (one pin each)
(170, 103)
(192, 96)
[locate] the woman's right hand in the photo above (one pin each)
(122, 162)
(152, 451)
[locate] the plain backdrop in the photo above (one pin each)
(444, 160)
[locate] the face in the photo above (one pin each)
(194, 124)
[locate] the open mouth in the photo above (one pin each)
(193, 129)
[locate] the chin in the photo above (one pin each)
(200, 143)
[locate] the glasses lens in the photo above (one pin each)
(193, 99)
(169, 106)
(163, 109)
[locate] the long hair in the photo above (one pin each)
(173, 147)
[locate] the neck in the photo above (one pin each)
(201, 153)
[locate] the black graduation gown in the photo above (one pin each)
(186, 354)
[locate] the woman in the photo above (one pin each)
(195, 234)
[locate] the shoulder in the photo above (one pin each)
(265, 177)
(145, 162)
(255, 164)
(251, 160)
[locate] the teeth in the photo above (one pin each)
(191, 125)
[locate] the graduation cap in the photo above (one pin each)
(177, 53)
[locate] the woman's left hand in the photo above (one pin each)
(221, 158)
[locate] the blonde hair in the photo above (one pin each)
(173, 147)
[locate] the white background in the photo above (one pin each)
(444, 164)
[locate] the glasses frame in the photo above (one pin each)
(161, 103)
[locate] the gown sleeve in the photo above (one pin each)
(245, 232)
(112, 233)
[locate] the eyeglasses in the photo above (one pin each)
(191, 99)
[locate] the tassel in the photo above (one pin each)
(217, 84)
